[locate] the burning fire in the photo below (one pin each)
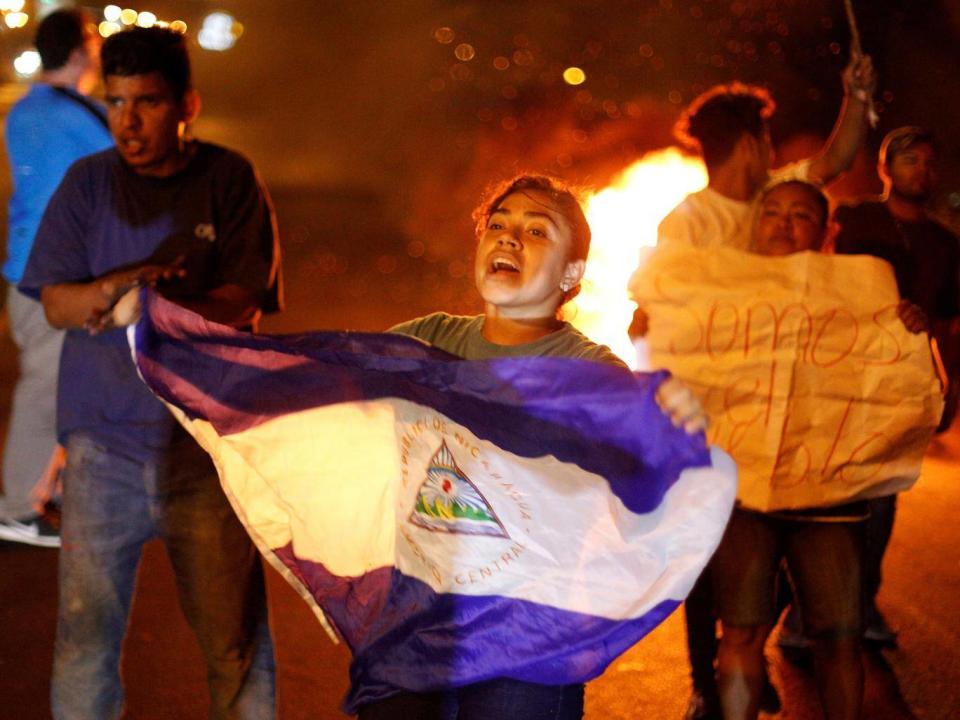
(623, 219)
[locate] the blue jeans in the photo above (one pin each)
(492, 700)
(112, 505)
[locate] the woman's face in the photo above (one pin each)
(790, 220)
(523, 257)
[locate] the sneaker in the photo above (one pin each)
(36, 530)
(700, 707)
(877, 631)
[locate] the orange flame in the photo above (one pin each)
(623, 219)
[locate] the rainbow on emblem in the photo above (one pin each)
(449, 502)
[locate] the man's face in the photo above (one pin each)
(146, 121)
(790, 220)
(912, 173)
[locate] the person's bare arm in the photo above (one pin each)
(73, 305)
(837, 155)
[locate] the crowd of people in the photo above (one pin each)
(108, 198)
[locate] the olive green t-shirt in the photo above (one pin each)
(461, 335)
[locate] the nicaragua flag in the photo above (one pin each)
(453, 521)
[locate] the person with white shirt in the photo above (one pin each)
(729, 126)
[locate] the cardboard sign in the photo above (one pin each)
(810, 380)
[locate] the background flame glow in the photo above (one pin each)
(623, 218)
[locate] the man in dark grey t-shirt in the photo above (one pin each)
(194, 218)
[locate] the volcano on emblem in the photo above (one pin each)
(449, 502)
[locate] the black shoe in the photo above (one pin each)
(876, 631)
(36, 530)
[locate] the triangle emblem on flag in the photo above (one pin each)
(449, 502)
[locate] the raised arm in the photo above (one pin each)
(836, 157)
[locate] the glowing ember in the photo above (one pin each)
(624, 219)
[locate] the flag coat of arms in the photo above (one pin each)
(452, 521)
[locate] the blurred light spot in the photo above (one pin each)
(521, 40)
(16, 19)
(111, 13)
(27, 63)
(611, 109)
(416, 248)
(564, 160)
(717, 60)
(219, 32)
(675, 97)
(386, 264)
(146, 19)
(107, 29)
(509, 123)
(835, 48)
(484, 114)
(128, 16)
(696, 12)
(12, 5)
(437, 84)
(178, 26)
(583, 97)
(465, 52)
(501, 63)
(887, 96)
(457, 269)
(509, 92)
(954, 200)
(580, 136)
(523, 57)
(574, 76)
(444, 35)
(461, 72)
(646, 50)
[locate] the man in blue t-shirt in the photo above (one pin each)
(53, 125)
(193, 218)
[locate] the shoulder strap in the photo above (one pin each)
(92, 107)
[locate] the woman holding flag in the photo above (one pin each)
(488, 518)
(532, 246)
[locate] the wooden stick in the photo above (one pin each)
(856, 50)
(855, 47)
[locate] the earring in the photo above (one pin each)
(565, 286)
